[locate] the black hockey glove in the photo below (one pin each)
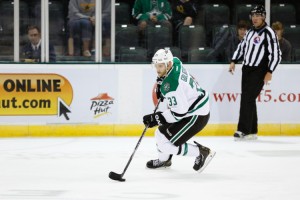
(154, 119)
(158, 93)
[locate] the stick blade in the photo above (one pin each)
(116, 177)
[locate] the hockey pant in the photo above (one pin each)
(171, 139)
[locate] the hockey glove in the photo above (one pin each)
(158, 92)
(154, 119)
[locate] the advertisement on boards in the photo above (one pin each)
(122, 94)
(39, 94)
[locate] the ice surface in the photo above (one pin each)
(78, 168)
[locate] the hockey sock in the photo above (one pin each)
(187, 149)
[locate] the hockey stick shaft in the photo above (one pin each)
(138, 143)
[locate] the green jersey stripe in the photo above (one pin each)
(184, 129)
(185, 149)
(200, 105)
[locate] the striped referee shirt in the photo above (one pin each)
(259, 47)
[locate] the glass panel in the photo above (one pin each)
(219, 19)
(6, 30)
(57, 29)
(126, 34)
(106, 27)
(30, 31)
(216, 21)
(80, 34)
(285, 20)
(72, 34)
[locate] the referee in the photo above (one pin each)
(260, 53)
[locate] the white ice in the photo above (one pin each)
(78, 168)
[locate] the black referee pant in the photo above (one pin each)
(252, 84)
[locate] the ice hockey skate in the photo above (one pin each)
(206, 155)
(239, 136)
(154, 164)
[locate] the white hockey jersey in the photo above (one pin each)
(183, 94)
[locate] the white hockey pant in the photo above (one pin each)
(166, 148)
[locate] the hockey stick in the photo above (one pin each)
(119, 177)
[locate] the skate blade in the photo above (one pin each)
(207, 161)
(159, 168)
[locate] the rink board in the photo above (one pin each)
(134, 130)
(111, 99)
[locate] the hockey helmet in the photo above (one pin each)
(162, 56)
(259, 9)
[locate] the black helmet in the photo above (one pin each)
(259, 9)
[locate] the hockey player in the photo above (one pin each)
(187, 113)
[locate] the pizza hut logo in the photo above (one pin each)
(101, 104)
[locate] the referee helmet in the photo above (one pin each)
(259, 10)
